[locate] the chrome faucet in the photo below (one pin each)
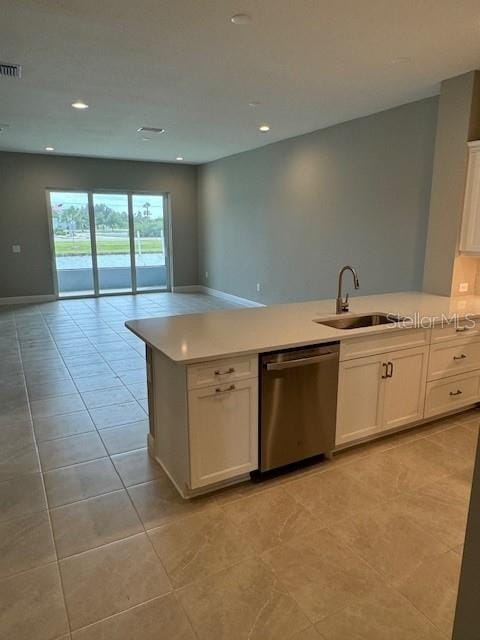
(342, 305)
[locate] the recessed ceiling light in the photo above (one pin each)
(49, 148)
(253, 103)
(241, 18)
(179, 158)
(151, 130)
(401, 60)
(79, 104)
(264, 128)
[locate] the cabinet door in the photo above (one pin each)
(470, 237)
(223, 425)
(404, 396)
(360, 398)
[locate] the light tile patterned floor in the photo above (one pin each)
(97, 545)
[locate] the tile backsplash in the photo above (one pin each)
(466, 276)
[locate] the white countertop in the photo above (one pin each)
(205, 336)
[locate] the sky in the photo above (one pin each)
(116, 201)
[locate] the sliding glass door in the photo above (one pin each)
(112, 236)
(72, 242)
(149, 234)
(109, 242)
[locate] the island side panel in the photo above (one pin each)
(168, 439)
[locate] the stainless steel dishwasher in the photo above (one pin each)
(298, 404)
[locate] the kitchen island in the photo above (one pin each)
(202, 374)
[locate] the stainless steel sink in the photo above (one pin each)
(359, 321)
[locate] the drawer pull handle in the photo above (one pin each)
(461, 329)
(456, 393)
(218, 372)
(462, 356)
(230, 388)
(388, 373)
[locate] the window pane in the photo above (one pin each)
(113, 244)
(71, 238)
(148, 222)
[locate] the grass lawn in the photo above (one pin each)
(68, 247)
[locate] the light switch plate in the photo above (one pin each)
(16, 248)
(463, 287)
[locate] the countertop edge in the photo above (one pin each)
(331, 335)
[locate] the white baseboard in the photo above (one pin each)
(27, 299)
(230, 297)
(189, 288)
(199, 288)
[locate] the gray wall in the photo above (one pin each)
(288, 215)
(23, 212)
(458, 122)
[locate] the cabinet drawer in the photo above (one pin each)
(448, 359)
(459, 331)
(450, 394)
(383, 342)
(221, 371)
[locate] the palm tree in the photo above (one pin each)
(147, 206)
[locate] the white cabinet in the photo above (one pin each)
(405, 387)
(392, 339)
(456, 331)
(359, 405)
(454, 357)
(379, 393)
(209, 373)
(470, 236)
(204, 435)
(451, 393)
(222, 431)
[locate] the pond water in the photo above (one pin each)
(110, 260)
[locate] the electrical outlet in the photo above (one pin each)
(463, 287)
(206, 275)
(16, 248)
(258, 286)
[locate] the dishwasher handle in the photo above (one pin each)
(301, 362)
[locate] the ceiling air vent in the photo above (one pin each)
(10, 70)
(150, 130)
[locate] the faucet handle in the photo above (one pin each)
(345, 303)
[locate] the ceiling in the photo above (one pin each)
(182, 65)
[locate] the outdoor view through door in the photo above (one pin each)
(107, 242)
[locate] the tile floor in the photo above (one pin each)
(96, 544)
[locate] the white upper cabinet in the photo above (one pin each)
(470, 236)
